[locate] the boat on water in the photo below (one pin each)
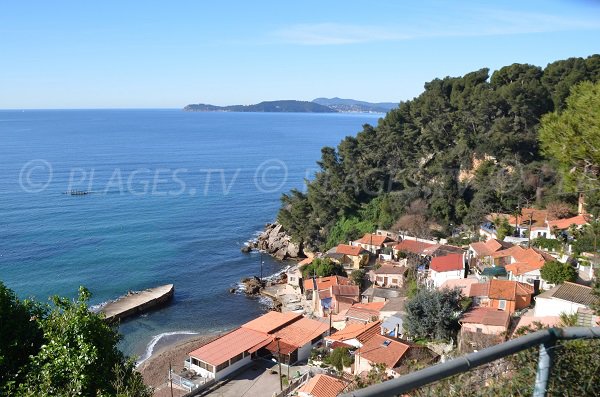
(77, 192)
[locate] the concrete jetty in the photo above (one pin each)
(137, 302)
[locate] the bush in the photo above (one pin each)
(556, 272)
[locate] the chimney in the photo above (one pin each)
(397, 333)
(581, 204)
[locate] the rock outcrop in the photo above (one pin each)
(275, 241)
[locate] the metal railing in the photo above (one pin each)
(545, 339)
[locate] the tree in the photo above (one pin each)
(323, 267)
(571, 137)
(558, 210)
(357, 276)
(20, 335)
(339, 358)
(433, 314)
(79, 356)
(503, 228)
(556, 272)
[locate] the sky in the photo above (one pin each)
(159, 54)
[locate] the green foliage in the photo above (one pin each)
(78, 354)
(20, 335)
(556, 272)
(587, 238)
(548, 243)
(348, 229)
(483, 129)
(323, 267)
(433, 314)
(376, 374)
(411, 288)
(503, 229)
(339, 358)
(357, 276)
(571, 137)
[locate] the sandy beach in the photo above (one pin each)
(155, 369)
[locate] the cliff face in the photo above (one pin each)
(275, 241)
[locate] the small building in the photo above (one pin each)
(353, 334)
(379, 294)
(337, 299)
(322, 386)
(363, 313)
(390, 276)
(464, 284)
(411, 247)
(294, 277)
(483, 327)
(448, 267)
(391, 352)
(568, 298)
(312, 285)
(352, 257)
(509, 295)
(373, 243)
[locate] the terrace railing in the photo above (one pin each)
(482, 370)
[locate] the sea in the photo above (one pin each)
(172, 197)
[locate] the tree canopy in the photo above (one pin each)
(433, 314)
(65, 350)
(323, 267)
(465, 147)
(556, 272)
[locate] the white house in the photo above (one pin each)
(568, 298)
(447, 267)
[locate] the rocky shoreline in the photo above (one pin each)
(276, 242)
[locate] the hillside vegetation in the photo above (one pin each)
(465, 147)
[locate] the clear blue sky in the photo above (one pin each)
(59, 54)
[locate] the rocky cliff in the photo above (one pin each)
(275, 241)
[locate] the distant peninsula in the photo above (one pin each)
(319, 105)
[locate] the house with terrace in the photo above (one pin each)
(482, 327)
(335, 300)
(389, 276)
(352, 257)
(374, 243)
(479, 255)
(288, 336)
(363, 313)
(568, 298)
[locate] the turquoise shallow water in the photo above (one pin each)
(175, 195)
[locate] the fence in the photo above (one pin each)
(293, 384)
(566, 363)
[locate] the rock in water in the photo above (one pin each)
(275, 241)
(246, 249)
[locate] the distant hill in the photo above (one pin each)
(352, 105)
(268, 106)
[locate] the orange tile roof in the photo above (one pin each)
(350, 250)
(373, 239)
(354, 331)
(486, 316)
(229, 345)
(487, 248)
(323, 386)
(447, 263)
(479, 289)
(415, 247)
(464, 284)
(301, 332)
(527, 260)
(562, 224)
(514, 250)
(325, 282)
(345, 290)
(508, 290)
(390, 269)
(369, 306)
(272, 321)
(377, 352)
(306, 261)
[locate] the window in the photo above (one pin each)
(394, 281)
(292, 279)
(210, 368)
(222, 366)
(502, 304)
(236, 358)
(380, 279)
(479, 330)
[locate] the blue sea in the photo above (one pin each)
(174, 197)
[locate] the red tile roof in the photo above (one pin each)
(562, 224)
(447, 263)
(379, 349)
(527, 260)
(508, 290)
(350, 250)
(301, 332)
(479, 289)
(325, 282)
(229, 345)
(389, 269)
(272, 321)
(345, 290)
(486, 316)
(323, 386)
(411, 246)
(487, 248)
(354, 331)
(373, 239)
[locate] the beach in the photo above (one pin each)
(155, 369)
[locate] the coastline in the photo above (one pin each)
(154, 370)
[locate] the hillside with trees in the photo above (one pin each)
(465, 147)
